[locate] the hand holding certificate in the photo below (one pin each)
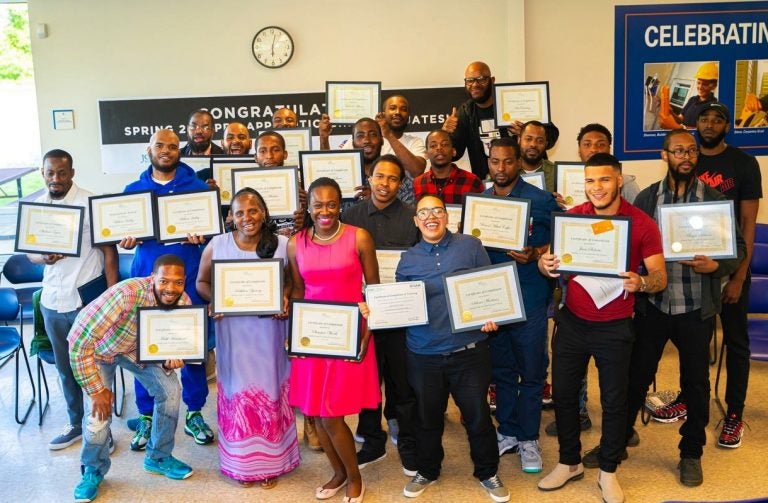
(117, 216)
(349, 101)
(247, 287)
(183, 213)
(324, 329)
(521, 102)
(591, 244)
(704, 228)
(180, 333)
(49, 229)
(499, 222)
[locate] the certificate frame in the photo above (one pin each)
(336, 108)
(308, 312)
(454, 217)
(536, 93)
(565, 172)
(149, 347)
(562, 223)
(141, 203)
(386, 257)
(296, 139)
(353, 175)
(502, 276)
(68, 220)
(221, 171)
(409, 299)
(222, 303)
(536, 179)
(197, 162)
(287, 201)
(168, 232)
(696, 215)
(478, 208)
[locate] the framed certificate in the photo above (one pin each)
(221, 168)
(183, 213)
(388, 259)
(49, 228)
(499, 222)
(324, 329)
(490, 293)
(454, 217)
(396, 305)
(344, 166)
(197, 162)
(116, 216)
(535, 179)
(593, 245)
(180, 333)
(704, 228)
(247, 287)
(569, 183)
(278, 186)
(346, 102)
(296, 140)
(524, 101)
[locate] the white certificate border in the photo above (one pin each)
(625, 223)
(277, 286)
(370, 298)
(94, 201)
(24, 207)
(166, 237)
(218, 164)
(356, 155)
(142, 356)
(561, 168)
(375, 86)
(295, 308)
(293, 192)
(727, 207)
(469, 206)
(497, 102)
(196, 160)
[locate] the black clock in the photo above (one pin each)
(272, 47)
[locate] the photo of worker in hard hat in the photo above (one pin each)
(751, 93)
(685, 89)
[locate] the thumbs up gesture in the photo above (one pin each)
(451, 121)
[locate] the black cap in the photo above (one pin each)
(718, 107)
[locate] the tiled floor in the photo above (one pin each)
(29, 472)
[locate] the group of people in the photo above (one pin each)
(328, 252)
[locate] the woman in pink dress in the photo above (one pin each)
(328, 261)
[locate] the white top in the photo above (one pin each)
(60, 280)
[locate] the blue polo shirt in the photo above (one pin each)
(535, 286)
(428, 262)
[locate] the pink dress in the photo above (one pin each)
(330, 387)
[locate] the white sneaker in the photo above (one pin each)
(530, 456)
(506, 444)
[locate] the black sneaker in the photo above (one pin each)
(366, 457)
(590, 458)
(585, 423)
(690, 472)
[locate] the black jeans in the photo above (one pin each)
(610, 344)
(390, 357)
(691, 336)
(465, 375)
(734, 320)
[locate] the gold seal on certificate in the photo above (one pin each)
(500, 222)
(182, 213)
(569, 183)
(388, 259)
(247, 287)
(344, 166)
(178, 333)
(324, 329)
(221, 171)
(351, 101)
(703, 228)
(278, 186)
(490, 293)
(395, 305)
(521, 102)
(594, 245)
(49, 228)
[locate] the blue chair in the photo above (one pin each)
(758, 327)
(12, 345)
(761, 233)
(18, 270)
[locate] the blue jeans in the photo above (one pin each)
(57, 327)
(194, 389)
(166, 390)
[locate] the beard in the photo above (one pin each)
(507, 180)
(398, 129)
(485, 96)
(160, 302)
(163, 169)
(535, 160)
(613, 198)
(712, 142)
(201, 147)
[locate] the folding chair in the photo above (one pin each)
(12, 345)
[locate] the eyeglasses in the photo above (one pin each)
(205, 128)
(476, 80)
(424, 213)
(679, 153)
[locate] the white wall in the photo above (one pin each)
(143, 48)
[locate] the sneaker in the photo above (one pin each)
(506, 444)
(690, 472)
(416, 486)
(133, 423)
(68, 436)
(492, 397)
(496, 489)
(366, 457)
(196, 428)
(358, 438)
(733, 429)
(591, 457)
(546, 395)
(585, 423)
(143, 432)
(634, 440)
(168, 466)
(674, 411)
(88, 487)
(530, 456)
(394, 429)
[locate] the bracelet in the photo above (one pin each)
(643, 284)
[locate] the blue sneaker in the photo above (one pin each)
(143, 433)
(197, 428)
(88, 487)
(169, 466)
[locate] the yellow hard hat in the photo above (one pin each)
(707, 71)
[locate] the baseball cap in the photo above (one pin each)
(718, 107)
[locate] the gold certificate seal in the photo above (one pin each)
(506, 116)
(229, 301)
(152, 348)
(476, 233)
(226, 194)
(568, 200)
(567, 258)
(31, 239)
(466, 316)
(304, 341)
(677, 247)
(105, 232)
(337, 113)
(171, 229)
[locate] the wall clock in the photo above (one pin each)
(272, 47)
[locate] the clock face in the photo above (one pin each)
(272, 47)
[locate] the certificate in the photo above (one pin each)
(490, 293)
(278, 186)
(396, 305)
(591, 244)
(499, 222)
(296, 140)
(197, 162)
(535, 179)
(704, 228)
(569, 183)
(325, 329)
(346, 102)
(49, 228)
(344, 166)
(116, 216)
(185, 213)
(221, 169)
(247, 287)
(179, 333)
(524, 101)
(388, 259)
(454, 217)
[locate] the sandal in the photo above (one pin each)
(323, 493)
(268, 483)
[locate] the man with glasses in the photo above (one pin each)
(441, 363)
(445, 180)
(200, 134)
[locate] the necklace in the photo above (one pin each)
(316, 235)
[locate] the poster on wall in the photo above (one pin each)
(673, 59)
(126, 124)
